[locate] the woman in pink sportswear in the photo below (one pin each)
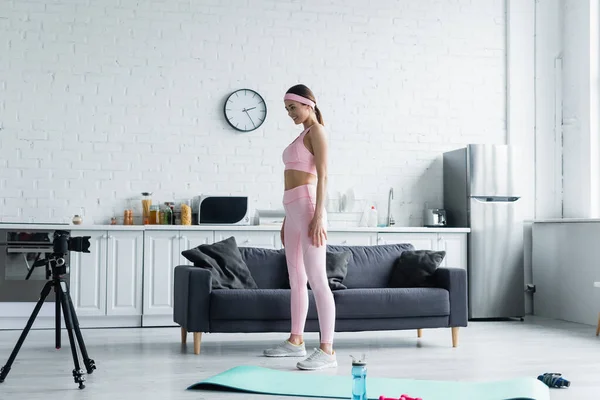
(304, 233)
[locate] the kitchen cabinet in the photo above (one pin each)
(124, 273)
(420, 241)
(88, 276)
(263, 239)
(162, 253)
(352, 238)
(454, 244)
(107, 280)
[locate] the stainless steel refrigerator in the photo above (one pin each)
(482, 191)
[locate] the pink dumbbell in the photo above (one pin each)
(403, 397)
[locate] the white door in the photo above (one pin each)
(263, 239)
(352, 238)
(124, 273)
(420, 241)
(189, 240)
(161, 255)
(88, 276)
(455, 245)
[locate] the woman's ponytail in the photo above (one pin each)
(319, 115)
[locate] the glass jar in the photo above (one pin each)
(186, 213)
(154, 217)
(167, 215)
(128, 217)
(146, 204)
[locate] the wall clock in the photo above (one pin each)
(245, 110)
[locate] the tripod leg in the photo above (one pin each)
(90, 365)
(4, 371)
(57, 302)
(77, 372)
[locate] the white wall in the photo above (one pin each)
(548, 109)
(568, 159)
(580, 146)
(102, 101)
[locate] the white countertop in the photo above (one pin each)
(563, 220)
(84, 227)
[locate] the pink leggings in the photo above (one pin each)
(306, 262)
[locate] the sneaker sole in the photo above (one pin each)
(302, 354)
(332, 365)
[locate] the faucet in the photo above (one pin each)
(390, 219)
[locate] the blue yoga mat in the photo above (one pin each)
(253, 379)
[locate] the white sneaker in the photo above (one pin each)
(286, 349)
(318, 360)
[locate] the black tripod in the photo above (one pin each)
(58, 268)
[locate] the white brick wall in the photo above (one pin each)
(100, 102)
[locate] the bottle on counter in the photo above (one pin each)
(372, 217)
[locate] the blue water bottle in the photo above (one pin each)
(359, 379)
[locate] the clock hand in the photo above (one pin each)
(250, 118)
(248, 109)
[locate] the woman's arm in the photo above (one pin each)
(318, 141)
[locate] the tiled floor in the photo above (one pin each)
(152, 364)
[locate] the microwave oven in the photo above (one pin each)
(223, 210)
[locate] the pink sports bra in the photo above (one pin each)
(296, 156)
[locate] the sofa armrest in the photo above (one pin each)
(455, 281)
(191, 292)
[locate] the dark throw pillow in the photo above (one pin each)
(223, 259)
(415, 268)
(336, 264)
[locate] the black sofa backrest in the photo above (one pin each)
(369, 266)
(268, 267)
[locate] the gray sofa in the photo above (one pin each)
(366, 305)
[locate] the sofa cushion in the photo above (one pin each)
(416, 268)
(370, 266)
(391, 303)
(255, 304)
(225, 263)
(268, 267)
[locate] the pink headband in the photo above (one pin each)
(299, 99)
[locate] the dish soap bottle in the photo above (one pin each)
(359, 379)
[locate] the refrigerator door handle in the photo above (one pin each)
(496, 199)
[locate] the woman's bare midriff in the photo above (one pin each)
(295, 178)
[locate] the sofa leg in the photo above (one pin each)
(419, 332)
(183, 335)
(197, 339)
(454, 336)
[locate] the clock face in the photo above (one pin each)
(245, 110)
